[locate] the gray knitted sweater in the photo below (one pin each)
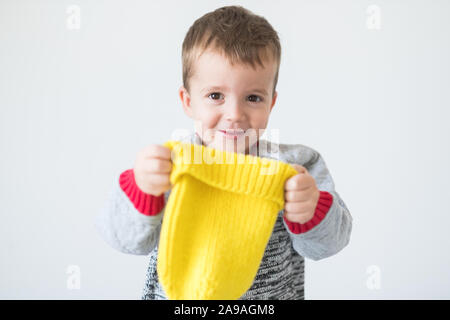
(281, 272)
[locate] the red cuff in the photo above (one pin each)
(323, 205)
(146, 204)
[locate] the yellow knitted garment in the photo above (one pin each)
(217, 221)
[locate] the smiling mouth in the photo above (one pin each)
(232, 133)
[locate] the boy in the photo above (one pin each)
(231, 59)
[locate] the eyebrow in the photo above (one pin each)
(262, 91)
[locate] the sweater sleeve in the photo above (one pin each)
(128, 221)
(322, 208)
(330, 229)
(146, 204)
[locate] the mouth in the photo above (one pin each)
(232, 133)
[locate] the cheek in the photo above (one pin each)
(204, 113)
(259, 119)
(209, 118)
(207, 121)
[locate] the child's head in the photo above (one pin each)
(231, 59)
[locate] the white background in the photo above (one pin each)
(77, 104)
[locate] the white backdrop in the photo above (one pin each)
(85, 84)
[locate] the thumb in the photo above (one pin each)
(299, 168)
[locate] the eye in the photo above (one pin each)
(214, 94)
(258, 97)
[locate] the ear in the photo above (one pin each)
(274, 99)
(185, 101)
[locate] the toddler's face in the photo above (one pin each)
(229, 97)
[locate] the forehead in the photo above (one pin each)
(213, 68)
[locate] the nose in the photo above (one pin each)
(234, 112)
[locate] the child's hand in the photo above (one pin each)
(152, 169)
(301, 196)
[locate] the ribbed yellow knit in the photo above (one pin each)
(217, 221)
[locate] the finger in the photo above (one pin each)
(155, 179)
(296, 196)
(157, 166)
(305, 181)
(298, 182)
(157, 151)
(291, 183)
(297, 207)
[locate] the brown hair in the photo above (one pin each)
(237, 33)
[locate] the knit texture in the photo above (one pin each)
(217, 221)
(146, 204)
(323, 205)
